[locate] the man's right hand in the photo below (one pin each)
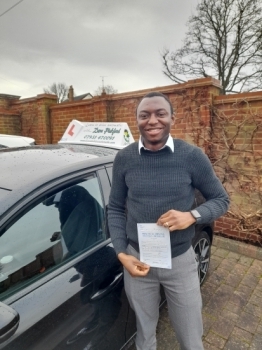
(135, 267)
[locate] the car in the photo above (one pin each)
(7, 141)
(61, 288)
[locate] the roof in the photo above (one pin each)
(28, 168)
(85, 96)
(9, 97)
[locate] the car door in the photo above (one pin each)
(59, 271)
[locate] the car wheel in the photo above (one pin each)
(202, 248)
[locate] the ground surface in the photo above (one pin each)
(232, 301)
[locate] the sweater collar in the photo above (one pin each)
(169, 143)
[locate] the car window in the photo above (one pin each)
(55, 230)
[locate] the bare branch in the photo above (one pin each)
(58, 89)
(224, 40)
(107, 89)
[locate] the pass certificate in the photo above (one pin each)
(154, 245)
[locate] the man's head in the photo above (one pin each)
(154, 119)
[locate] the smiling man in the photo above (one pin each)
(154, 119)
(154, 181)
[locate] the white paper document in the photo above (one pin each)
(154, 245)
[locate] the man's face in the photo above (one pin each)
(154, 121)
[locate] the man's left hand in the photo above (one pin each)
(176, 220)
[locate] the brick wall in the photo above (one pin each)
(9, 119)
(27, 117)
(227, 128)
(237, 159)
(121, 108)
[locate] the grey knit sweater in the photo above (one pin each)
(149, 184)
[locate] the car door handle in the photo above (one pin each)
(102, 292)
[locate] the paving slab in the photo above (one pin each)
(232, 300)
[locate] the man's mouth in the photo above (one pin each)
(153, 131)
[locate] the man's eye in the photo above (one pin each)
(161, 115)
(143, 116)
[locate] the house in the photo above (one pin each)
(71, 96)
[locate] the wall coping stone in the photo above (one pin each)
(35, 98)
(236, 98)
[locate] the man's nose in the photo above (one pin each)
(153, 119)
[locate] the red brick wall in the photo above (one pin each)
(62, 114)
(35, 117)
(237, 159)
(189, 99)
(227, 128)
(10, 123)
(9, 119)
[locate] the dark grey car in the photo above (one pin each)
(61, 285)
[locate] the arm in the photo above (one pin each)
(116, 207)
(117, 221)
(204, 179)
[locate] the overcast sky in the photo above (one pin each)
(77, 42)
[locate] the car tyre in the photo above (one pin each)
(202, 248)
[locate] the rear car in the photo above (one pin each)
(7, 141)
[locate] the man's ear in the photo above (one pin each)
(173, 119)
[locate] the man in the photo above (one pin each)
(154, 182)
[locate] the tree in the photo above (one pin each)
(58, 89)
(108, 89)
(224, 40)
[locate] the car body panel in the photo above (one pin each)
(52, 315)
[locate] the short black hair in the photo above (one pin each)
(158, 94)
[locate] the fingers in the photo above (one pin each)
(167, 219)
(140, 264)
(176, 220)
(135, 267)
(140, 271)
(140, 268)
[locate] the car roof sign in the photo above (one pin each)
(117, 135)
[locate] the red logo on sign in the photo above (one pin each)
(70, 131)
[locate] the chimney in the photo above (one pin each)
(71, 93)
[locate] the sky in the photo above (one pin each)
(79, 42)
